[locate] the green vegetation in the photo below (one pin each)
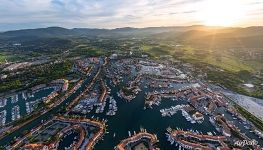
(36, 75)
(221, 66)
(55, 71)
(86, 50)
(10, 57)
(13, 84)
(227, 63)
(257, 122)
(217, 52)
(195, 55)
(2, 58)
(156, 51)
(234, 80)
(127, 91)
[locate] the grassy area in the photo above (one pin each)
(256, 65)
(86, 50)
(11, 57)
(227, 63)
(216, 58)
(257, 122)
(234, 80)
(2, 58)
(157, 50)
(221, 60)
(231, 71)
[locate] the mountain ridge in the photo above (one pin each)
(196, 34)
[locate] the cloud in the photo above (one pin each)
(17, 14)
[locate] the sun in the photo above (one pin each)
(220, 12)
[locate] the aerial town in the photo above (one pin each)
(131, 74)
(117, 96)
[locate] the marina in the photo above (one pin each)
(123, 118)
(21, 104)
(2, 117)
(64, 142)
(15, 113)
(186, 139)
(3, 102)
(112, 107)
(171, 111)
(63, 133)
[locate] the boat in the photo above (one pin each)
(246, 127)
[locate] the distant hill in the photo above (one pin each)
(40, 32)
(232, 37)
(59, 31)
(198, 34)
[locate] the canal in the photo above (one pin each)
(129, 117)
(19, 132)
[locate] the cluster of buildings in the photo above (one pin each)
(194, 140)
(132, 89)
(198, 102)
(89, 131)
(205, 100)
(51, 96)
(201, 99)
(85, 65)
(161, 70)
(30, 98)
(119, 69)
(63, 83)
(138, 141)
(96, 98)
(21, 65)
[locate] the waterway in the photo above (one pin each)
(21, 102)
(68, 140)
(132, 116)
(129, 117)
(47, 115)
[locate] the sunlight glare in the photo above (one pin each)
(221, 12)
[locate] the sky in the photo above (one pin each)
(23, 14)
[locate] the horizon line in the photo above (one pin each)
(70, 28)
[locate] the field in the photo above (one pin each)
(86, 50)
(2, 58)
(11, 57)
(225, 68)
(156, 51)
